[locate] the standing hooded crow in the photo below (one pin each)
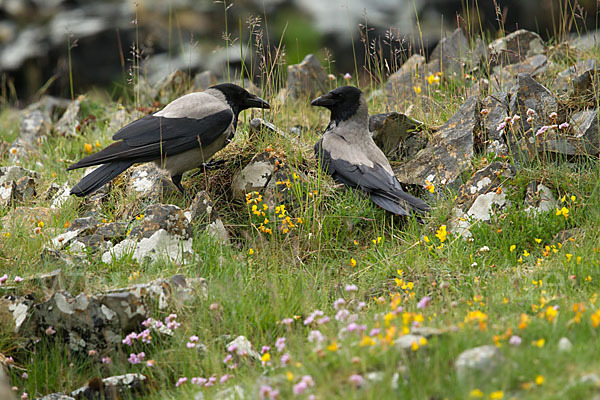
(348, 153)
(181, 136)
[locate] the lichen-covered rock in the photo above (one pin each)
(578, 77)
(17, 185)
(401, 85)
(479, 363)
(496, 111)
(68, 123)
(448, 152)
(242, 347)
(480, 196)
(503, 78)
(399, 136)
(539, 198)
(113, 387)
(56, 396)
(167, 217)
(486, 180)
(406, 342)
(516, 46)
(452, 52)
(16, 308)
(307, 79)
(149, 183)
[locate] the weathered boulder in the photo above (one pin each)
(448, 152)
(479, 197)
(452, 52)
(307, 79)
(494, 110)
(269, 175)
(502, 80)
(113, 387)
(149, 183)
(516, 46)
(397, 135)
(578, 77)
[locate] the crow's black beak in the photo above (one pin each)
(323, 101)
(256, 102)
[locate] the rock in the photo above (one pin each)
(585, 41)
(564, 345)
(200, 210)
(14, 173)
(150, 183)
(98, 322)
(243, 348)
(426, 331)
(49, 282)
(233, 393)
(68, 124)
(401, 84)
(514, 47)
(584, 140)
(539, 198)
(113, 387)
(568, 234)
(585, 127)
(6, 392)
(582, 73)
(17, 185)
(258, 125)
(63, 193)
(478, 197)
(486, 180)
(478, 363)
(452, 52)
(203, 81)
(448, 152)
(26, 217)
(17, 309)
(218, 231)
(397, 135)
(526, 94)
(503, 78)
(307, 79)
(267, 174)
(496, 106)
(122, 117)
(56, 396)
(405, 342)
(167, 217)
(592, 379)
(35, 127)
(161, 245)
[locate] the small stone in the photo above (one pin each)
(539, 198)
(243, 347)
(564, 345)
(478, 363)
(405, 342)
(307, 79)
(56, 396)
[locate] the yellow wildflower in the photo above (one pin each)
(352, 262)
(539, 380)
(476, 393)
(569, 256)
(430, 186)
(87, 148)
(289, 376)
(265, 357)
(512, 248)
(539, 343)
(563, 211)
(550, 313)
(441, 233)
(333, 347)
(417, 89)
(250, 251)
(497, 395)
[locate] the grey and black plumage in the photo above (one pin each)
(180, 137)
(348, 153)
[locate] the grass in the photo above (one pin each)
(481, 294)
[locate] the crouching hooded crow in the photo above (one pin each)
(181, 136)
(348, 153)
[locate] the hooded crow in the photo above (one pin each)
(182, 136)
(348, 153)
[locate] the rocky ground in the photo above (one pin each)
(272, 282)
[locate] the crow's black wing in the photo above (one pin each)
(152, 137)
(383, 188)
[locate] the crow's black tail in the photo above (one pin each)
(95, 180)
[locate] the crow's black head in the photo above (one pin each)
(343, 102)
(239, 98)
